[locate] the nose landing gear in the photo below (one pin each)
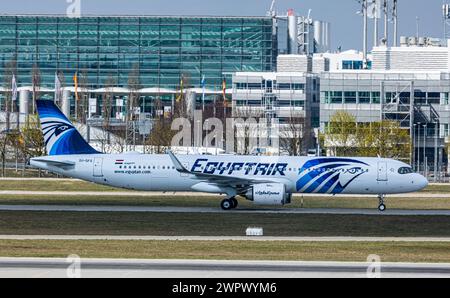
(381, 205)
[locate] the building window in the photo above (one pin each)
(284, 86)
(444, 98)
(241, 86)
(376, 97)
(254, 86)
(336, 96)
(298, 86)
(445, 130)
(298, 103)
(420, 97)
(434, 98)
(364, 97)
(350, 97)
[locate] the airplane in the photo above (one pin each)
(265, 180)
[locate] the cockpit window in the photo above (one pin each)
(405, 170)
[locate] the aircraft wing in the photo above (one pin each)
(217, 179)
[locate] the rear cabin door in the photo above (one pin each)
(98, 167)
(186, 165)
(382, 171)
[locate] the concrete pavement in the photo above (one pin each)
(90, 268)
(89, 208)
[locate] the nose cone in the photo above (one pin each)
(421, 182)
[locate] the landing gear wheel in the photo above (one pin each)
(226, 204)
(234, 202)
(381, 206)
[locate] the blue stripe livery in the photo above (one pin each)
(325, 175)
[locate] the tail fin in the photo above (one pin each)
(60, 136)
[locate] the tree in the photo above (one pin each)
(246, 129)
(160, 138)
(9, 71)
(384, 139)
(83, 105)
(292, 135)
(36, 82)
(6, 135)
(341, 133)
(107, 102)
(134, 84)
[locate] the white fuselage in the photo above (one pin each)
(299, 174)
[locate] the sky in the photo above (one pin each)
(346, 24)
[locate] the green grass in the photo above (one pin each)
(53, 185)
(230, 250)
(219, 224)
(422, 203)
(29, 173)
(438, 188)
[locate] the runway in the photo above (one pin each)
(92, 268)
(85, 208)
(224, 238)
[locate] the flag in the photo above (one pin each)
(57, 88)
(75, 80)
(203, 82)
(14, 88)
(181, 90)
(224, 91)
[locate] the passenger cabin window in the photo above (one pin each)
(405, 170)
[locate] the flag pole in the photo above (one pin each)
(203, 93)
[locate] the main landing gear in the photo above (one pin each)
(381, 206)
(230, 203)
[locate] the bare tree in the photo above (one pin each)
(9, 71)
(36, 82)
(247, 133)
(5, 139)
(134, 84)
(107, 101)
(292, 135)
(83, 105)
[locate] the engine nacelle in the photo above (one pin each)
(269, 194)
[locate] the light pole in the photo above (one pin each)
(436, 131)
(414, 147)
(424, 149)
(418, 147)
(199, 136)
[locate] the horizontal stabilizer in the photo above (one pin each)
(54, 163)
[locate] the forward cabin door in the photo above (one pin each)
(382, 171)
(98, 167)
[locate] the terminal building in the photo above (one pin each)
(167, 53)
(409, 84)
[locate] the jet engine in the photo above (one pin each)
(269, 194)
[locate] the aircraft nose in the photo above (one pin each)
(421, 182)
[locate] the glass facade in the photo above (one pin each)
(163, 49)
